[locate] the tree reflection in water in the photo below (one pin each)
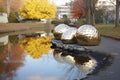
(11, 58)
(36, 47)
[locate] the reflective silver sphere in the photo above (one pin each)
(87, 35)
(59, 30)
(69, 35)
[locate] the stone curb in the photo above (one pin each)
(9, 31)
(25, 29)
(110, 37)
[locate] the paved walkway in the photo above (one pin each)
(21, 28)
(112, 72)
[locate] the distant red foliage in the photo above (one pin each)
(14, 4)
(77, 8)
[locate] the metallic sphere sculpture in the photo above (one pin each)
(69, 36)
(59, 30)
(87, 35)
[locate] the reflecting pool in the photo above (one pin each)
(31, 58)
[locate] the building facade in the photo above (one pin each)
(63, 10)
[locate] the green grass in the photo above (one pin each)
(109, 30)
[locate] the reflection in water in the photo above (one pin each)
(56, 65)
(4, 40)
(89, 66)
(90, 63)
(11, 57)
(85, 63)
(36, 46)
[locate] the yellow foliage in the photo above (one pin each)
(36, 47)
(38, 9)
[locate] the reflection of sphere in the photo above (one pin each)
(69, 36)
(88, 67)
(57, 56)
(87, 35)
(69, 59)
(63, 58)
(59, 30)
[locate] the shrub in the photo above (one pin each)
(56, 22)
(80, 22)
(12, 18)
(2, 10)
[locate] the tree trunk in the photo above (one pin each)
(93, 19)
(87, 11)
(117, 13)
(92, 8)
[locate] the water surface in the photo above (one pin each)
(31, 58)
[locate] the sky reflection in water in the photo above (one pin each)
(47, 68)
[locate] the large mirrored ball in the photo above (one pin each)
(59, 30)
(87, 35)
(69, 35)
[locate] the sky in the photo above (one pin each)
(61, 2)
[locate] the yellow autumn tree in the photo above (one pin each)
(38, 9)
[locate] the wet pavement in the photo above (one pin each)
(112, 47)
(22, 63)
